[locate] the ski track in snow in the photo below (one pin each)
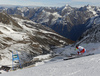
(83, 66)
(86, 66)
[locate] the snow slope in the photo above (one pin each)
(83, 66)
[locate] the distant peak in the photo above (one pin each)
(67, 5)
(88, 6)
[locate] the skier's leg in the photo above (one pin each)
(82, 51)
(78, 52)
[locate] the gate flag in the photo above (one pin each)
(15, 57)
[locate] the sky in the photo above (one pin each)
(51, 3)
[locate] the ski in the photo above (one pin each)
(78, 56)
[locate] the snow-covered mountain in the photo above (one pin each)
(27, 37)
(31, 39)
(92, 34)
(65, 20)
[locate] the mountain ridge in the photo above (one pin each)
(27, 37)
(61, 19)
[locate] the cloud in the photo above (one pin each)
(52, 3)
(91, 1)
(85, 2)
(34, 4)
(21, 2)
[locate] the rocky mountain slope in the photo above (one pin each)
(65, 20)
(27, 37)
(93, 34)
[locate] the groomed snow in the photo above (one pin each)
(83, 66)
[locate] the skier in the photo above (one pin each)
(81, 50)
